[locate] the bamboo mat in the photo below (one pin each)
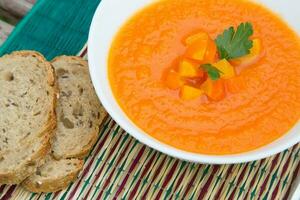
(120, 167)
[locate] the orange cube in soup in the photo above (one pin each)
(257, 47)
(226, 68)
(255, 51)
(201, 48)
(214, 90)
(190, 69)
(173, 80)
(207, 86)
(195, 82)
(198, 36)
(189, 92)
(211, 51)
(197, 50)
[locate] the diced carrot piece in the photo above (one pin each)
(207, 86)
(235, 85)
(211, 51)
(189, 93)
(218, 91)
(193, 38)
(257, 47)
(226, 68)
(195, 82)
(255, 51)
(197, 50)
(189, 69)
(215, 90)
(201, 48)
(173, 80)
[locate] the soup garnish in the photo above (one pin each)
(206, 61)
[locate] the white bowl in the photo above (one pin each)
(109, 17)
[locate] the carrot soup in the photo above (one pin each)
(208, 76)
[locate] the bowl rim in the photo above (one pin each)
(94, 57)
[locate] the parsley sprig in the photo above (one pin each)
(231, 44)
(235, 43)
(213, 72)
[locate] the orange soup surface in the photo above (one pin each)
(265, 107)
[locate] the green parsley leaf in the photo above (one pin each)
(233, 44)
(213, 72)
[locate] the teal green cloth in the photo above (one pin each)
(53, 27)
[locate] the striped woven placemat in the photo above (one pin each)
(120, 167)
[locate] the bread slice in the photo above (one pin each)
(79, 110)
(79, 114)
(54, 175)
(27, 120)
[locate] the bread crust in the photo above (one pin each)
(52, 185)
(29, 166)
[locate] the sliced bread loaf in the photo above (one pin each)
(27, 120)
(79, 114)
